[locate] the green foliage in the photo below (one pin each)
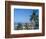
(19, 27)
(36, 19)
(26, 26)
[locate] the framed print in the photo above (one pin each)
(24, 19)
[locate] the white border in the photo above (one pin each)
(25, 31)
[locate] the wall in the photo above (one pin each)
(2, 20)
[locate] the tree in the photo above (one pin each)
(37, 22)
(19, 27)
(15, 26)
(26, 26)
(34, 17)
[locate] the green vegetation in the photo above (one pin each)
(36, 20)
(19, 27)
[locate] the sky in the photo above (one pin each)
(23, 15)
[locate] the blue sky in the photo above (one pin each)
(23, 15)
